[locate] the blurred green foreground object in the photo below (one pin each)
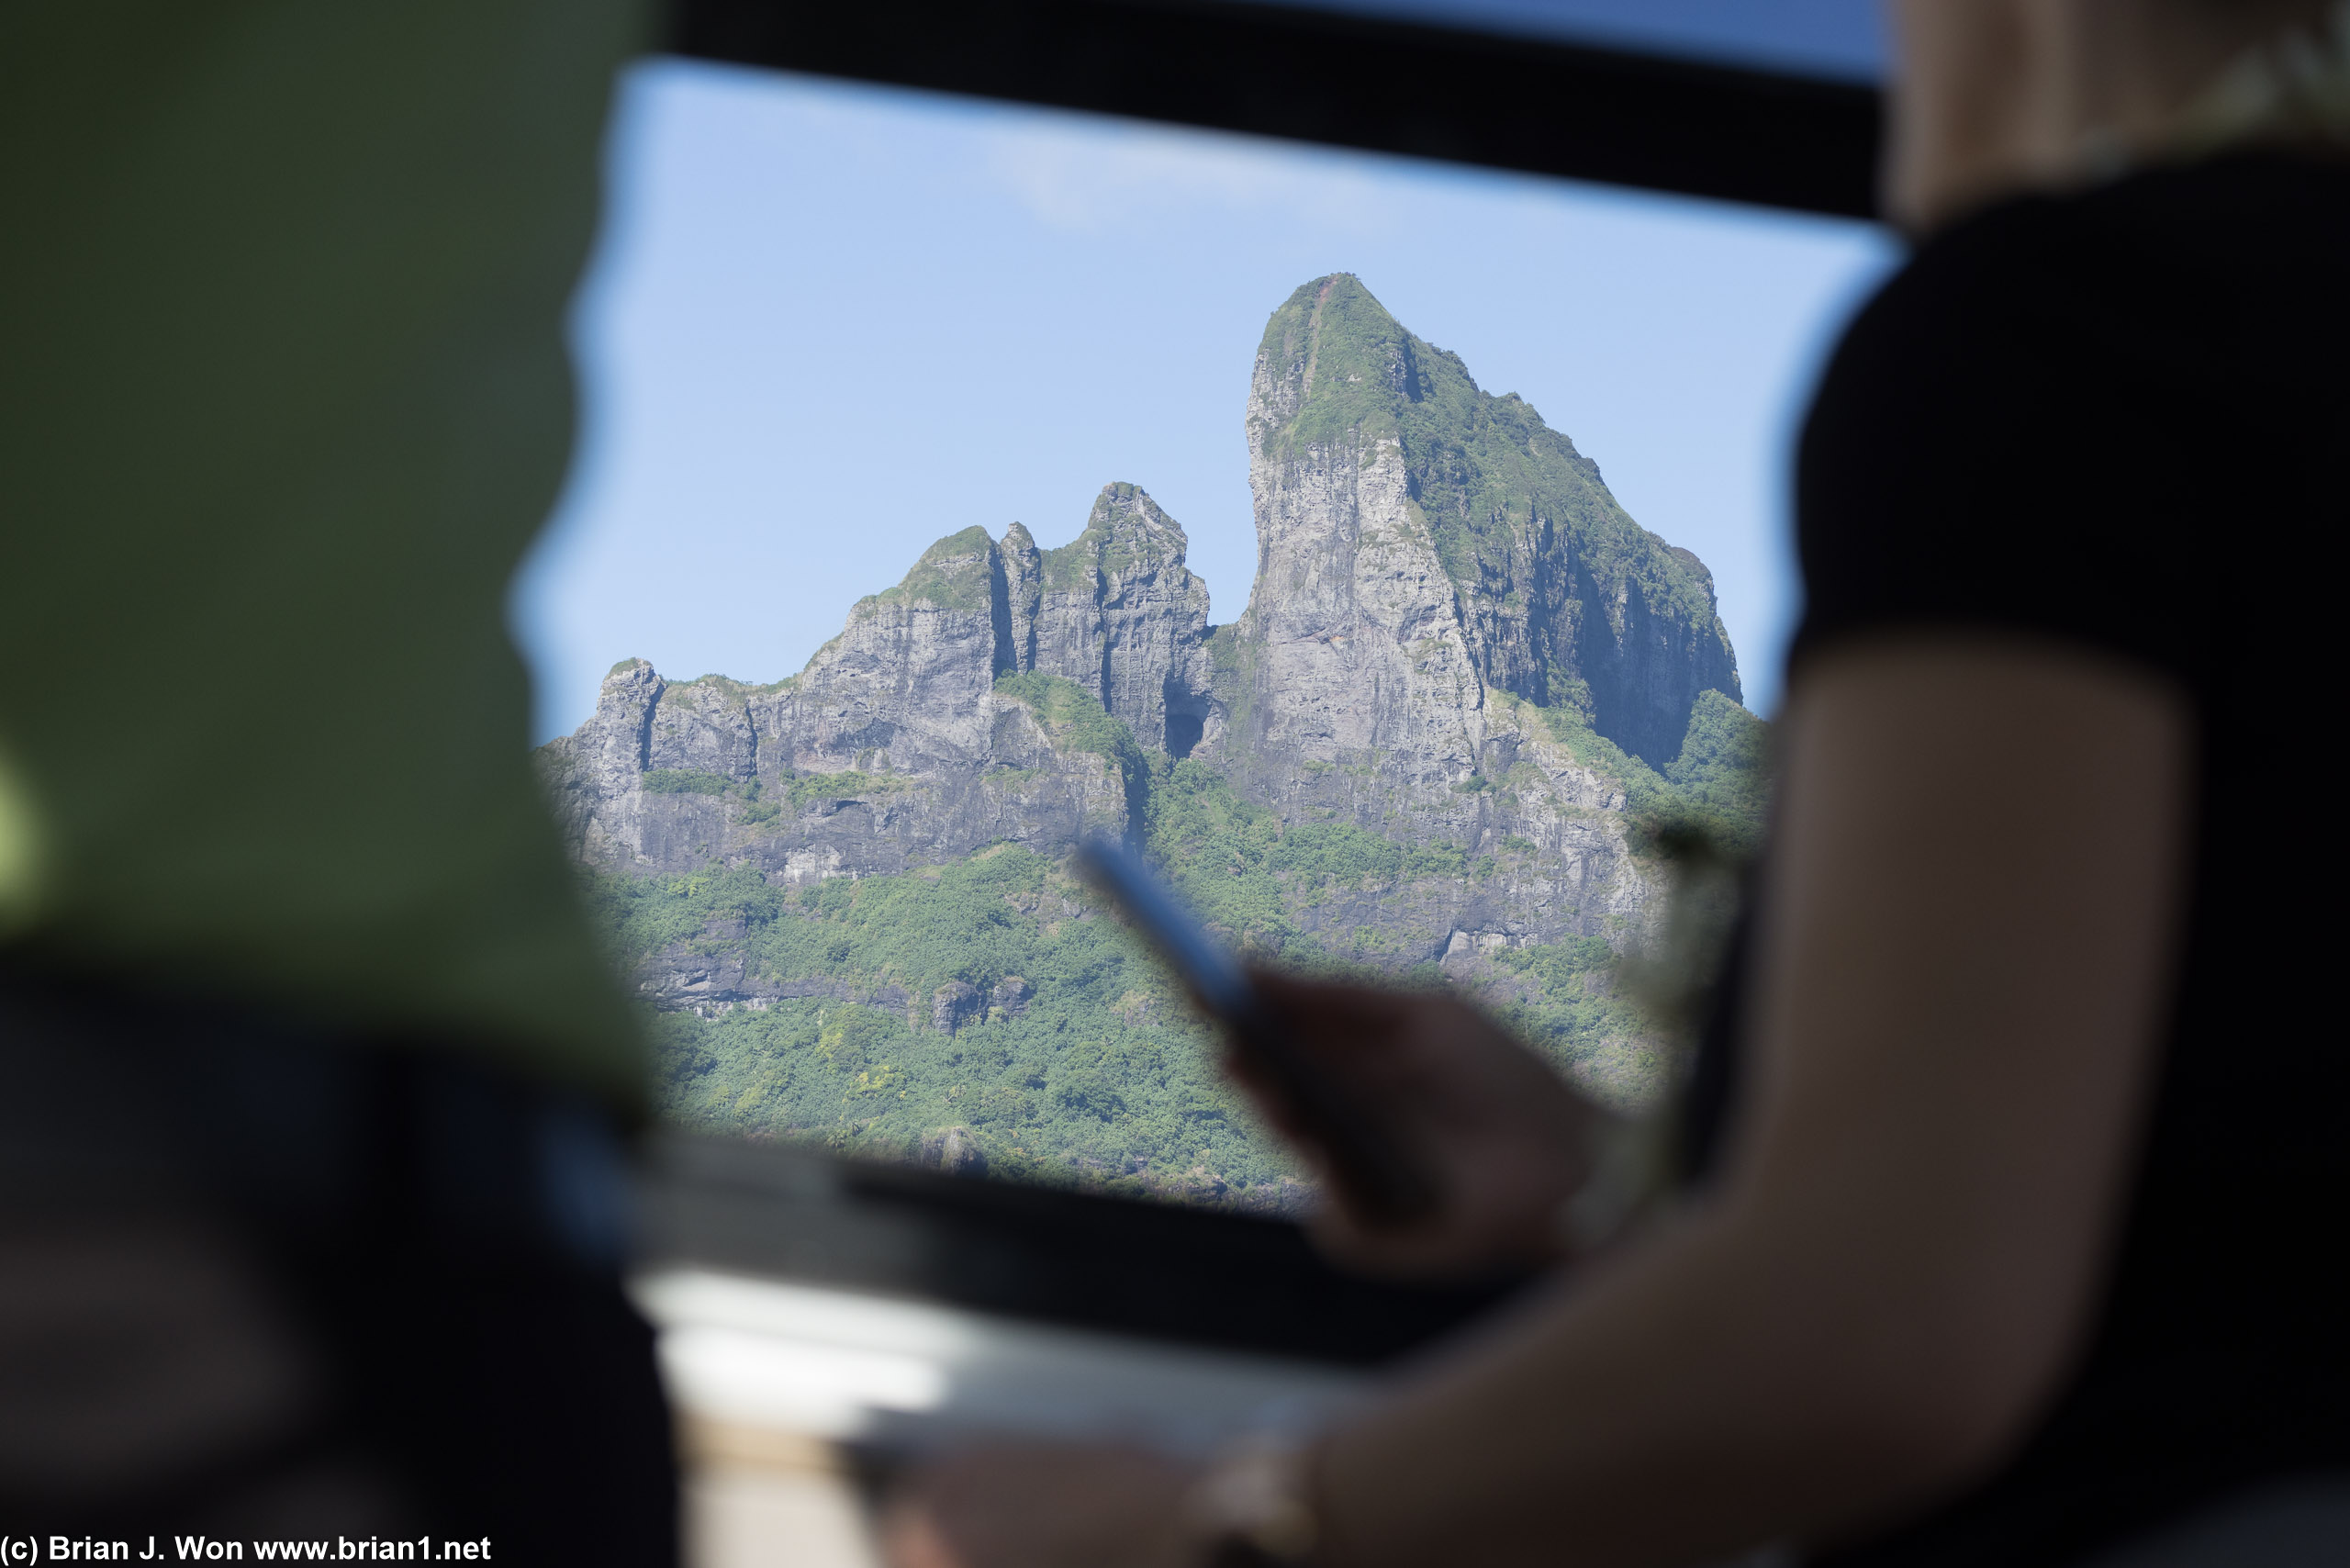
(283, 397)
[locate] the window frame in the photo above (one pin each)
(1774, 139)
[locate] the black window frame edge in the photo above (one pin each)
(1160, 1270)
(1195, 1275)
(1534, 105)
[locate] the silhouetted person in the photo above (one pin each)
(2017, 1246)
(311, 1080)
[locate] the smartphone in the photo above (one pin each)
(1382, 1182)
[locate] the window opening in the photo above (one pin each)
(1384, 545)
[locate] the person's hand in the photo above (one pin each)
(1041, 1506)
(1504, 1138)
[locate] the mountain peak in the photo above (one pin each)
(1558, 596)
(1333, 362)
(1125, 529)
(1130, 521)
(954, 574)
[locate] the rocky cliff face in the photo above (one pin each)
(1397, 500)
(1116, 611)
(1450, 610)
(1446, 594)
(891, 749)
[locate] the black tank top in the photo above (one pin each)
(2121, 420)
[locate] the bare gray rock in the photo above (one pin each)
(891, 749)
(955, 1003)
(953, 1151)
(1011, 996)
(1117, 611)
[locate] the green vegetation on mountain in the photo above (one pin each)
(1102, 1075)
(1722, 776)
(1079, 722)
(1068, 567)
(684, 781)
(1717, 789)
(805, 789)
(1071, 1057)
(952, 574)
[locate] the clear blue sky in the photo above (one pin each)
(828, 324)
(1838, 38)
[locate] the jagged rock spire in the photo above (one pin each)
(1023, 569)
(1117, 611)
(1364, 437)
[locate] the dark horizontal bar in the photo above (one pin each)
(1116, 1265)
(1315, 75)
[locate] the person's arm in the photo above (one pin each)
(1965, 945)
